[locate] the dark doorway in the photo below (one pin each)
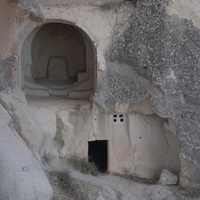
(98, 153)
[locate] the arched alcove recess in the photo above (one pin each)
(58, 60)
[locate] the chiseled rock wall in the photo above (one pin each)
(163, 47)
(28, 144)
(148, 50)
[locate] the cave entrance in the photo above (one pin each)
(58, 60)
(98, 153)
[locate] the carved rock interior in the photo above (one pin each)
(58, 60)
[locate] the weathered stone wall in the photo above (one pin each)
(164, 49)
(147, 63)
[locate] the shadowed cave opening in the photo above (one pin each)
(98, 154)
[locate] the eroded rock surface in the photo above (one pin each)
(167, 178)
(145, 73)
(164, 50)
(20, 168)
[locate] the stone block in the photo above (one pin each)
(57, 69)
(36, 92)
(80, 94)
(168, 178)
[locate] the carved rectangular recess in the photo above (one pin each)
(118, 118)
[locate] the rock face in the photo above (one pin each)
(137, 88)
(20, 170)
(162, 49)
(167, 178)
(20, 167)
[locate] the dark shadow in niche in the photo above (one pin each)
(58, 60)
(58, 54)
(98, 154)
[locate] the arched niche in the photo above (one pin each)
(58, 60)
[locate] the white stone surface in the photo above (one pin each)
(58, 92)
(167, 178)
(59, 128)
(31, 84)
(115, 187)
(22, 177)
(16, 105)
(80, 94)
(189, 9)
(36, 92)
(138, 145)
(99, 30)
(45, 120)
(64, 127)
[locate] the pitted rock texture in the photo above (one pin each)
(121, 84)
(6, 77)
(165, 50)
(186, 116)
(161, 47)
(152, 52)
